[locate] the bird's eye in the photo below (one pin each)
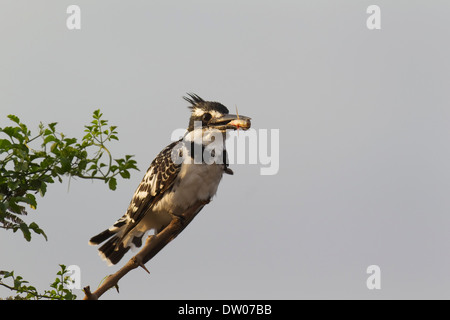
(206, 117)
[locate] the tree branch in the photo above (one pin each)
(152, 246)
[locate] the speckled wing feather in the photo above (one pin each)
(159, 178)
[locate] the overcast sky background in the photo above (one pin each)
(364, 141)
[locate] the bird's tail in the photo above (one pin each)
(120, 241)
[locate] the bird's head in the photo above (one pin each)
(213, 115)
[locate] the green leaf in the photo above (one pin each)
(7, 274)
(47, 132)
(13, 132)
(17, 282)
(65, 164)
(26, 231)
(97, 114)
(33, 226)
(125, 174)
(112, 183)
(49, 139)
(42, 189)
(5, 144)
(70, 141)
(87, 136)
(52, 126)
(54, 148)
(14, 118)
(69, 296)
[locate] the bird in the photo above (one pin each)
(179, 177)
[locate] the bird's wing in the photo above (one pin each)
(159, 178)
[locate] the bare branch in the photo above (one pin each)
(152, 246)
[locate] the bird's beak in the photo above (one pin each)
(232, 122)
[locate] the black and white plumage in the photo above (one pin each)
(171, 186)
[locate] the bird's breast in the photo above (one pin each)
(194, 182)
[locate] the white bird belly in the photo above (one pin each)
(194, 182)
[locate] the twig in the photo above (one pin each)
(152, 246)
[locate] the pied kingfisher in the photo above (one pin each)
(171, 186)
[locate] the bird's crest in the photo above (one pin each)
(193, 99)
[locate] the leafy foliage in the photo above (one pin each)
(24, 291)
(29, 163)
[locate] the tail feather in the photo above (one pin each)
(102, 236)
(121, 239)
(112, 251)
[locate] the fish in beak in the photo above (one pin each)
(231, 122)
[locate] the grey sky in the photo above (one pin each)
(364, 141)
